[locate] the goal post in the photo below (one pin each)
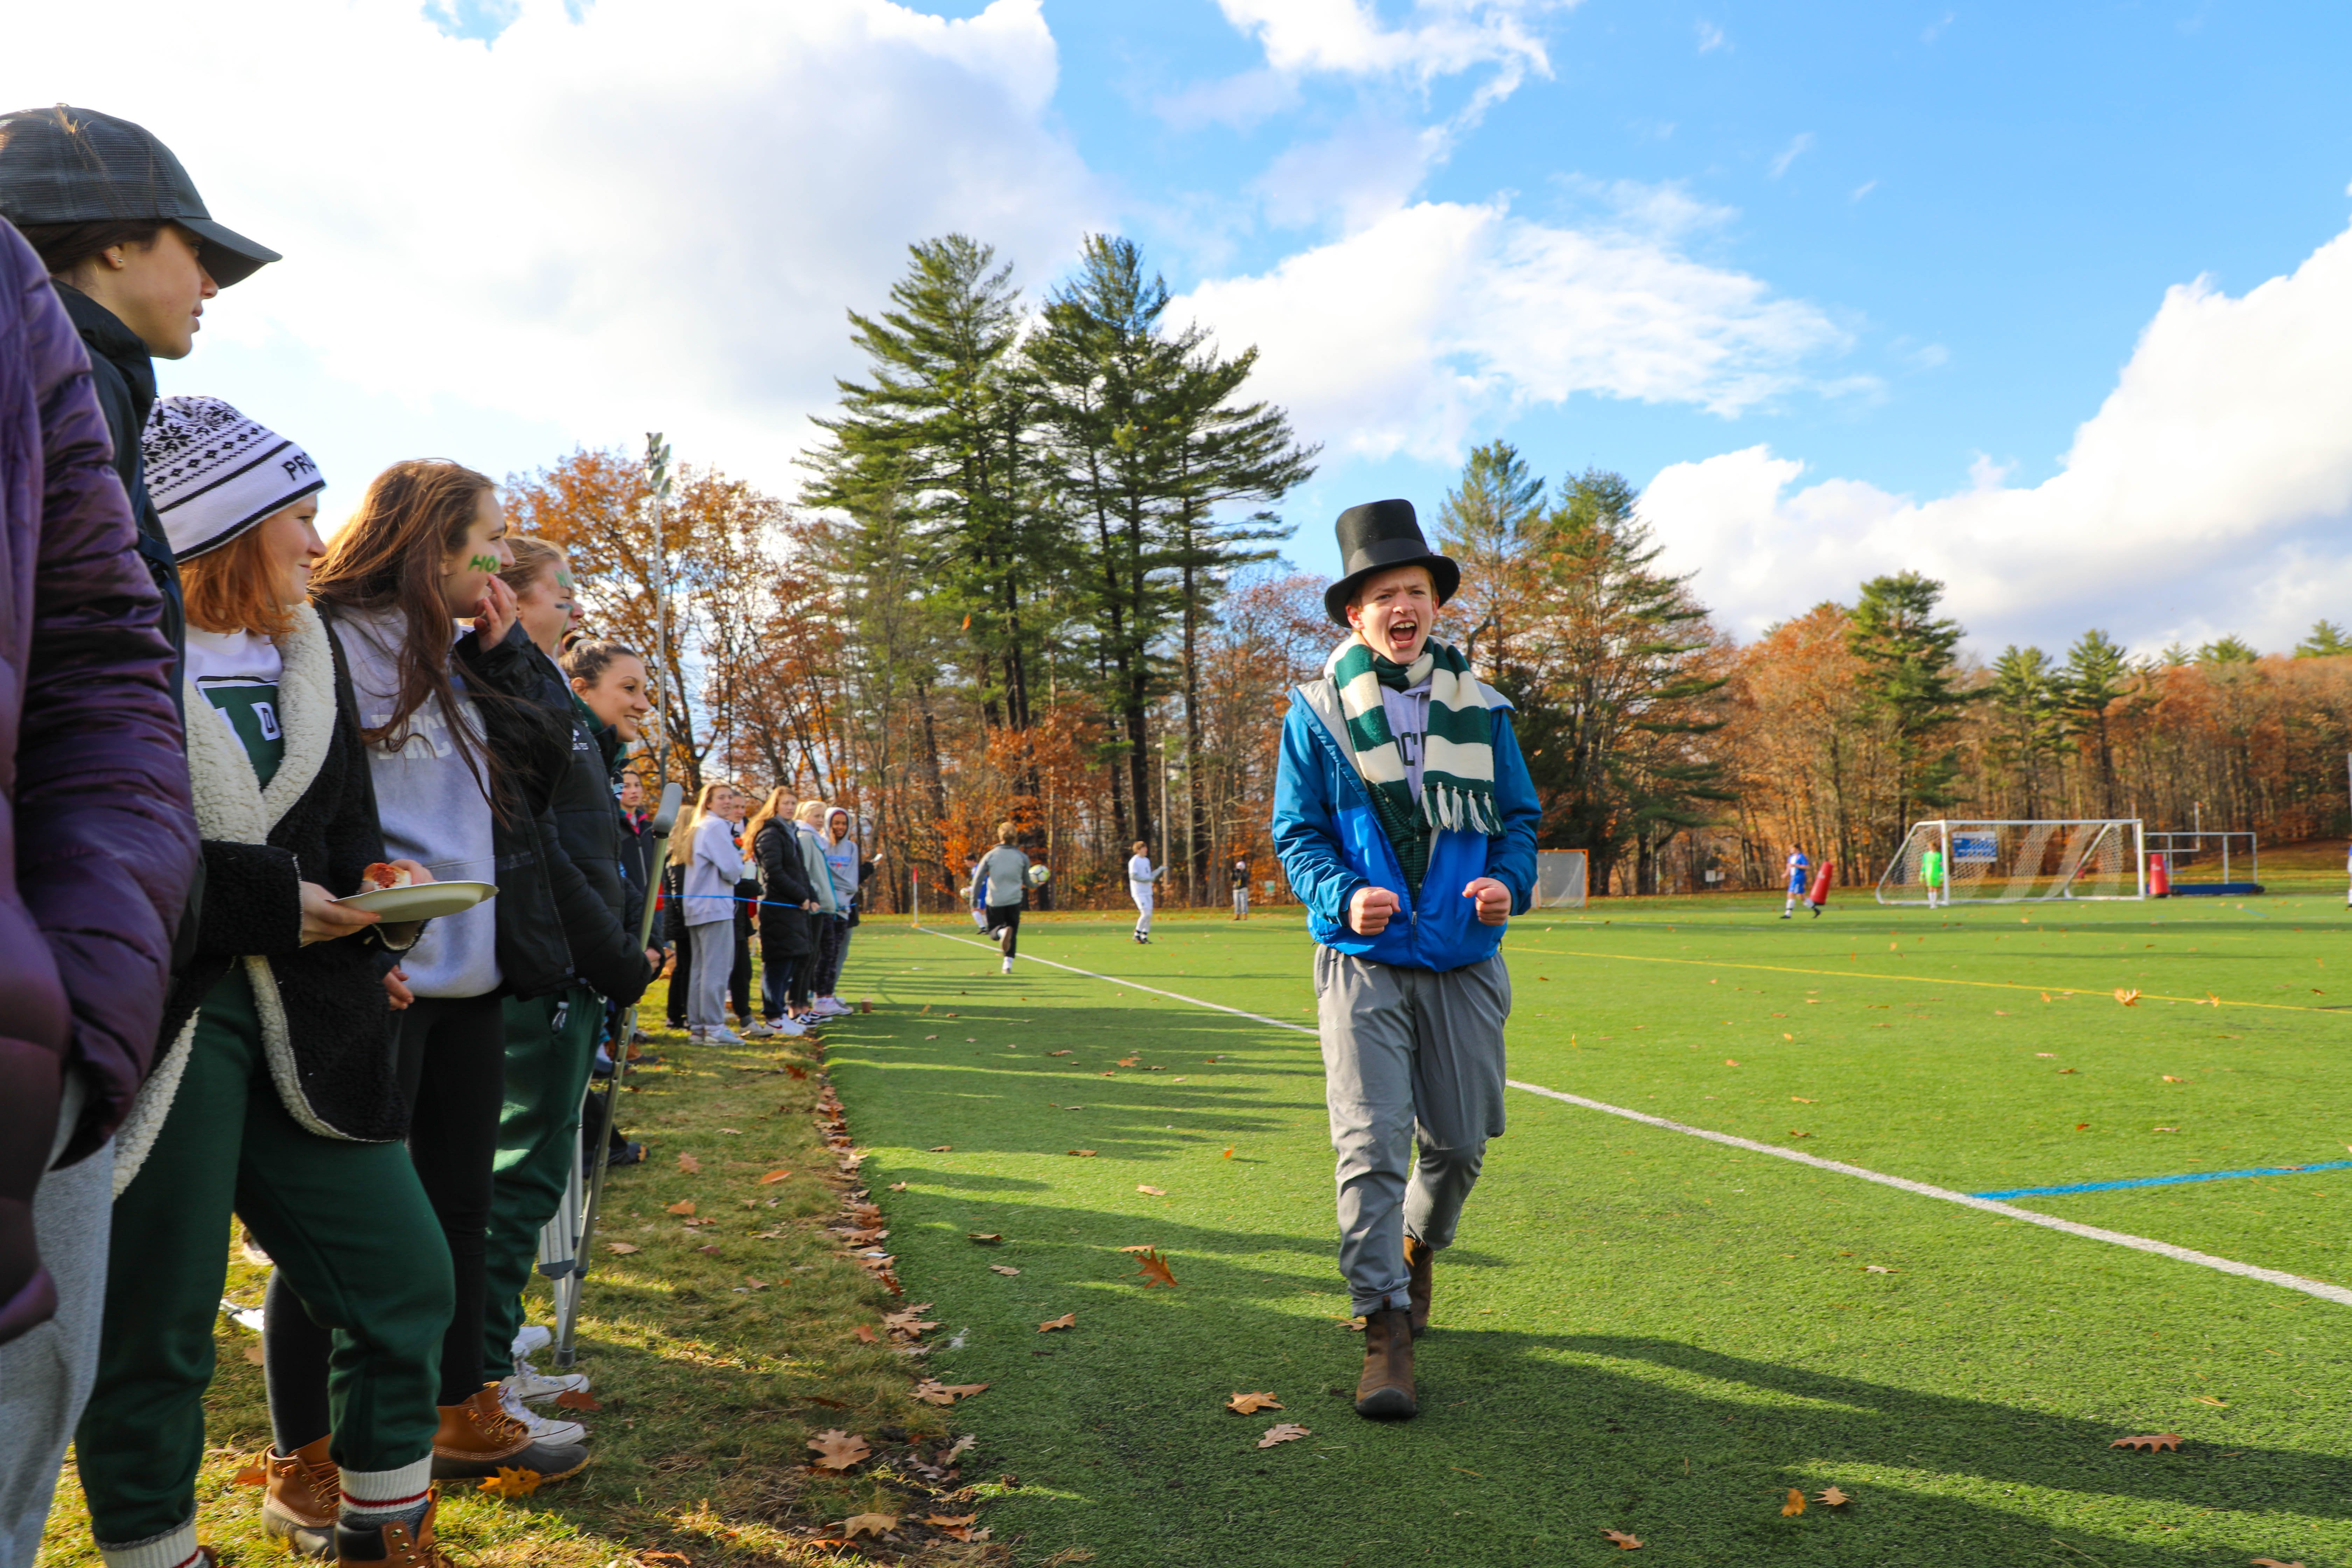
(2008, 862)
(1560, 878)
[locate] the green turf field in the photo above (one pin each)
(1640, 1329)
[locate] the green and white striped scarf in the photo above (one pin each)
(1457, 772)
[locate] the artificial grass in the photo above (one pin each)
(1638, 1330)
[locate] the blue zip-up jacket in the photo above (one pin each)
(1330, 842)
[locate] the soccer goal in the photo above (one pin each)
(1560, 878)
(2017, 862)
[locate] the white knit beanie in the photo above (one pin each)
(213, 473)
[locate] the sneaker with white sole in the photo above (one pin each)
(831, 1007)
(760, 1029)
(561, 1433)
(790, 1028)
(529, 1383)
(1008, 966)
(721, 1036)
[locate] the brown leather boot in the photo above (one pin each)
(391, 1545)
(1385, 1391)
(477, 1438)
(1419, 1258)
(301, 1496)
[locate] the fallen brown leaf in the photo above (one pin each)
(865, 1333)
(2129, 998)
(897, 1186)
(931, 1391)
(253, 1475)
(1057, 1052)
(949, 1522)
(1622, 1540)
(2151, 1443)
(1283, 1432)
(2273, 1563)
(683, 1205)
(253, 1354)
(773, 1177)
(511, 1482)
(1229, 1153)
(1794, 1506)
(986, 1238)
(838, 1450)
(876, 1524)
(2169, 1079)
(1251, 1403)
(1084, 1154)
(1833, 1497)
(620, 1248)
(1128, 1061)
(1155, 1271)
(1066, 1321)
(578, 1399)
(689, 1164)
(942, 1148)
(1152, 1192)
(1000, 1268)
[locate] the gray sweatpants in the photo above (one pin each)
(714, 965)
(1409, 1055)
(45, 1375)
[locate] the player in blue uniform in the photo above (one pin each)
(1798, 867)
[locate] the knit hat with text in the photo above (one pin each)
(213, 473)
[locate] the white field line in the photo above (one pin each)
(2318, 1288)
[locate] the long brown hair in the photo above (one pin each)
(389, 557)
(768, 810)
(681, 835)
(235, 589)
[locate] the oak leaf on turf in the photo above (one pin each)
(253, 1354)
(876, 1524)
(578, 1399)
(1623, 1541)
(1794, 1506)
(942, 1148)
(773, 1177)
(620, 1248)
(1066, 1321)
(838, 1450)
(1251, 1403)
(1002, 1268)
(1057, 1052)
(1155, 1271)
(2151, 1443)
(1283, 1432)
(683, 1205)
(1128, 1061)
(865, 1333)
(1082, 1154)
(511, 1482)
(1833, 1497)
(2129, 998)
(1151, 1191)
(689, 1164)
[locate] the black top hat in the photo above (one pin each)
(63, 164)
(1376, 536)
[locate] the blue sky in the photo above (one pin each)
(2052, 302)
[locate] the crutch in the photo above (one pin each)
(571, 1274)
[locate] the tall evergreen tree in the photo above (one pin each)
(2326, 641)
(1910, 684)
(1485, 524)
(937, 429)
(2024, 694)
(2098, 671)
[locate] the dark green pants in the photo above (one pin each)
(348, 1227)
(551, 1050)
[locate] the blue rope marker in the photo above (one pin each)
(2163, 1180)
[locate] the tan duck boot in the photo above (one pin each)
(1419, 1260)
(478, 1438)
(394, 1546)
(1385, 1393)
(301, 1495)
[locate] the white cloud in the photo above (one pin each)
(1710, 38)
(1796, 149)
(1440, 315)
(1348, 38)
(2208, 493)
(646, 214)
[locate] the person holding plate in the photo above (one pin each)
(274, 1095)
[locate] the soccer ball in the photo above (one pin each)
(1040, 873)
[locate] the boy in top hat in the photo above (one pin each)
(1406, 821)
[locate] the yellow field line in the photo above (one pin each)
(1907, 979)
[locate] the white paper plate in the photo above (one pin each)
(425, 901)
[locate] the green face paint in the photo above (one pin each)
(563, 579)
(484, 563)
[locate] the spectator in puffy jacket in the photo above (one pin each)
(100, 841)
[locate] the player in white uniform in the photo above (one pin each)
(1141, 877)
(1798, 867)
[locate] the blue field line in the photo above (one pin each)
(2163, 1180)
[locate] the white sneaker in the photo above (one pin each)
(760, 1030)
(1008, 966)
(790, 1028)
(721, 1036)
(531, 1337)
(530, 1383)
(556, 1434)
(830, 1007)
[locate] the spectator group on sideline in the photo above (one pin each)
(221, 728)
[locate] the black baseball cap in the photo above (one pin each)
(63, 164)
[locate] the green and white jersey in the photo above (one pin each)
(237, 673)
(1931, 868)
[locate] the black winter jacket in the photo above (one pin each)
(327, 1038)
(571, 842)
(786, 929)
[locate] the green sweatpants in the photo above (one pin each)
(551, 1050)
(347, 1225)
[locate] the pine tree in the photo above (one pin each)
(1910, 684)
(2327, 640)
(2024, 695)
(1484, 525)
(2098, 673)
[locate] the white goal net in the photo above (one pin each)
(1560, 878)
(2016, 862)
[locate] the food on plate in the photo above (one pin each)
(382, 876)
